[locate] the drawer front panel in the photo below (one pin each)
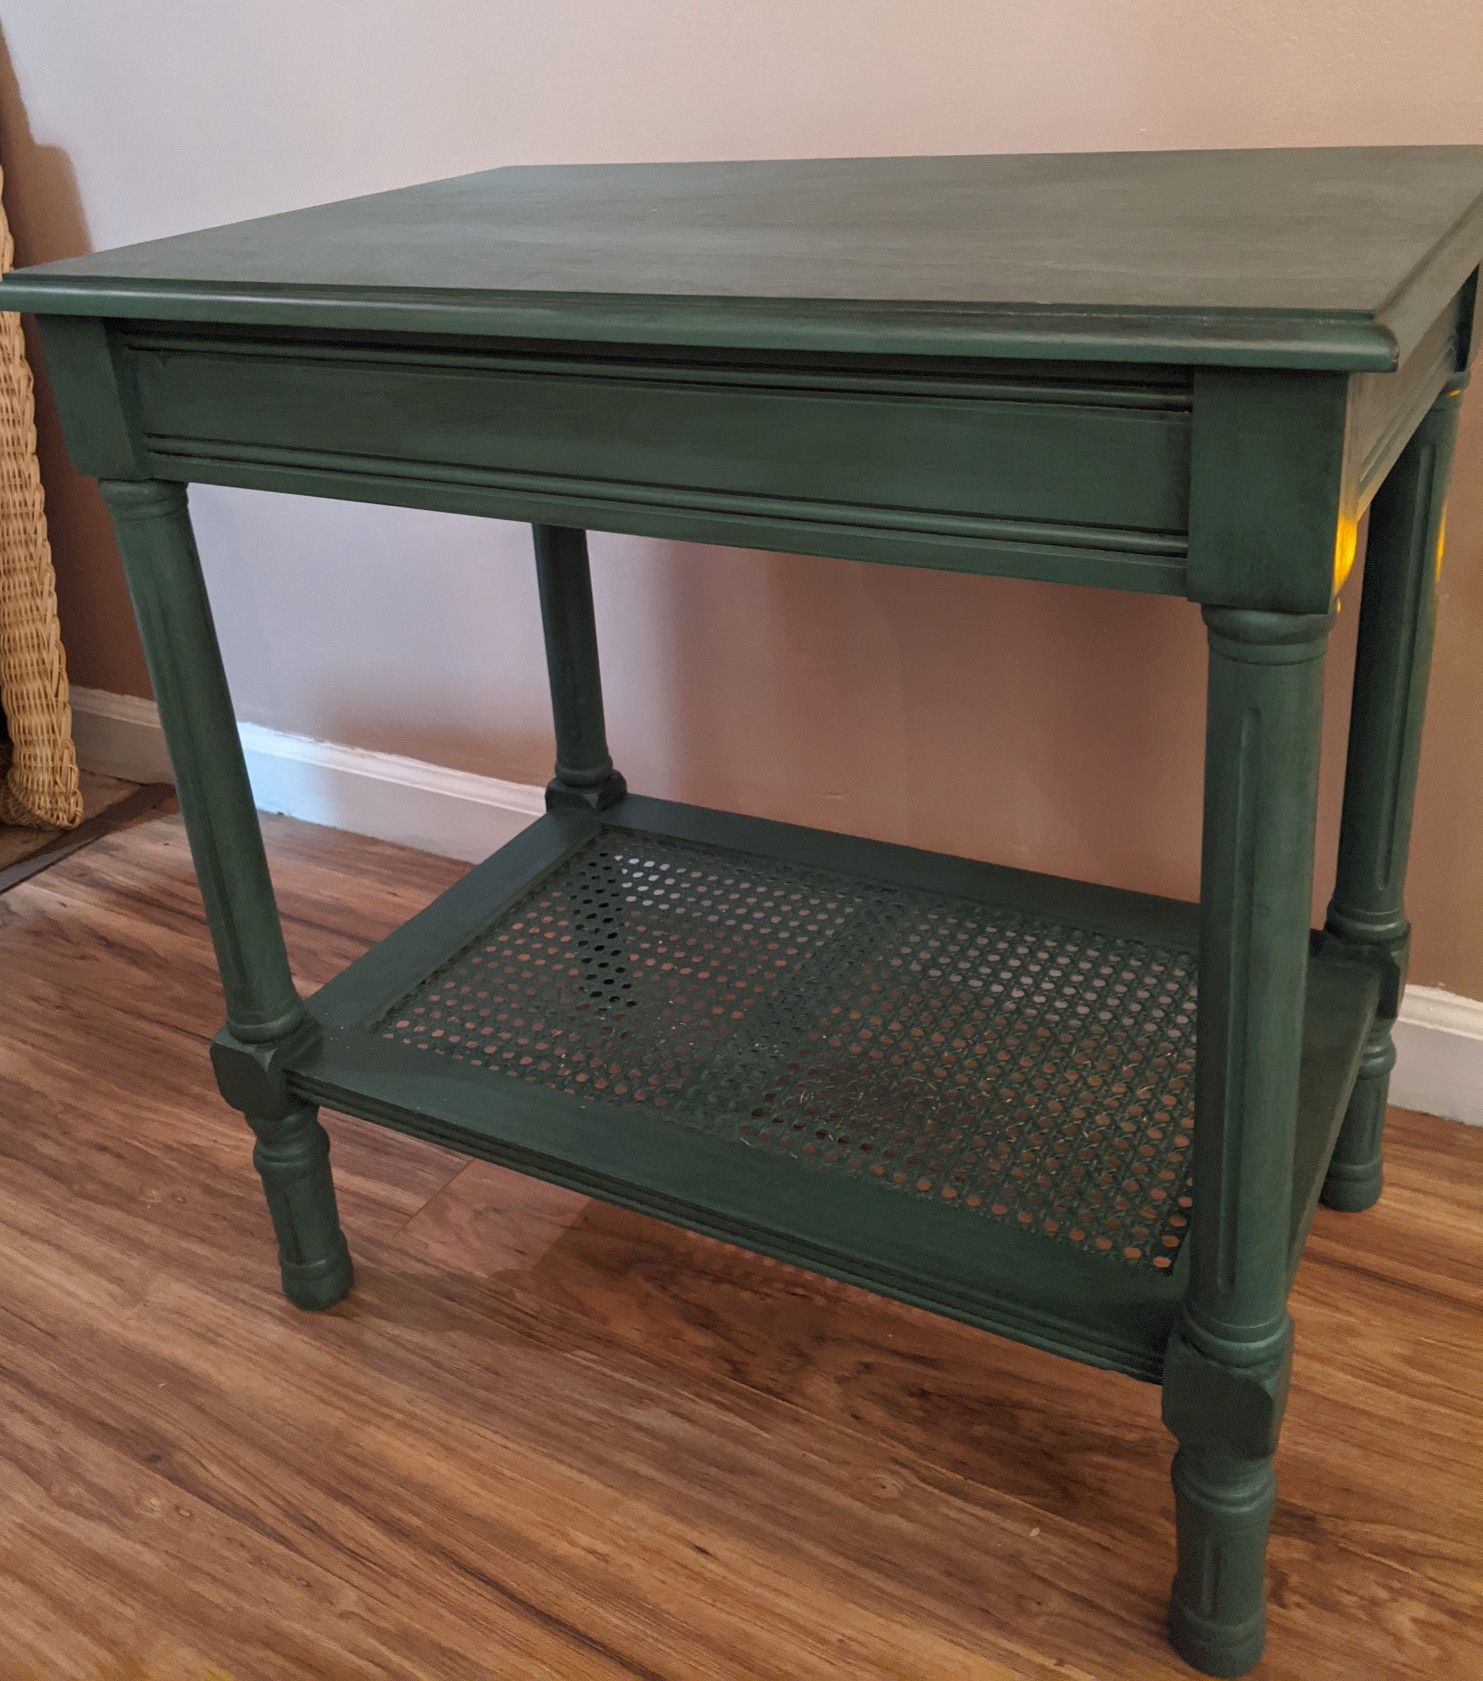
(1116, 459)
(1036, 472)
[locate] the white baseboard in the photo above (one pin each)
(119, 735)
(409, 801)
(1439, 1055)
(450, 812)
(1439, 1037)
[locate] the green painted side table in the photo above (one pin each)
(979, 1090)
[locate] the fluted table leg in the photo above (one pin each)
(1392, 664)
(264, 1011)
(1225, 1377)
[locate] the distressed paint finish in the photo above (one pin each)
(1261, 784)
(190, 686)
(1074, 473)
(584, 767)
(1392, 665)
(903, 361)
(265, 1015)
(1336, 258)
(1226, 1376)
(292, 1155)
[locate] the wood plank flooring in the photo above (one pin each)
(546, 1438)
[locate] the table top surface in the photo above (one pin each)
(1305, 258)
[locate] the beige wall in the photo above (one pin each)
(1036, 725)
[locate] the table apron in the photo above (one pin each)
(1071, 479)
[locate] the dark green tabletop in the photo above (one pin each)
(1311, 258)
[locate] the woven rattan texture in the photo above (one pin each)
(41, 786)
(1020, 1068)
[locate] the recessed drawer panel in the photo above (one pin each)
(963, 448)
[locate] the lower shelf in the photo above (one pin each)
(967, 1087)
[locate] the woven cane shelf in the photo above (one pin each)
(980, 1079)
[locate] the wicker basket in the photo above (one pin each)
(40, 788)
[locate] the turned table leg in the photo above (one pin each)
(1225, 1376)
(264, 1012)
(584, 767)
(1393, 661)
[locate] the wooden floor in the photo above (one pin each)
(545, 1438)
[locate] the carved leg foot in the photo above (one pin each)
(1217, 1615)
(293, 1157)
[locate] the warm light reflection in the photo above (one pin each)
(1346, 539)
(1441, 538)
